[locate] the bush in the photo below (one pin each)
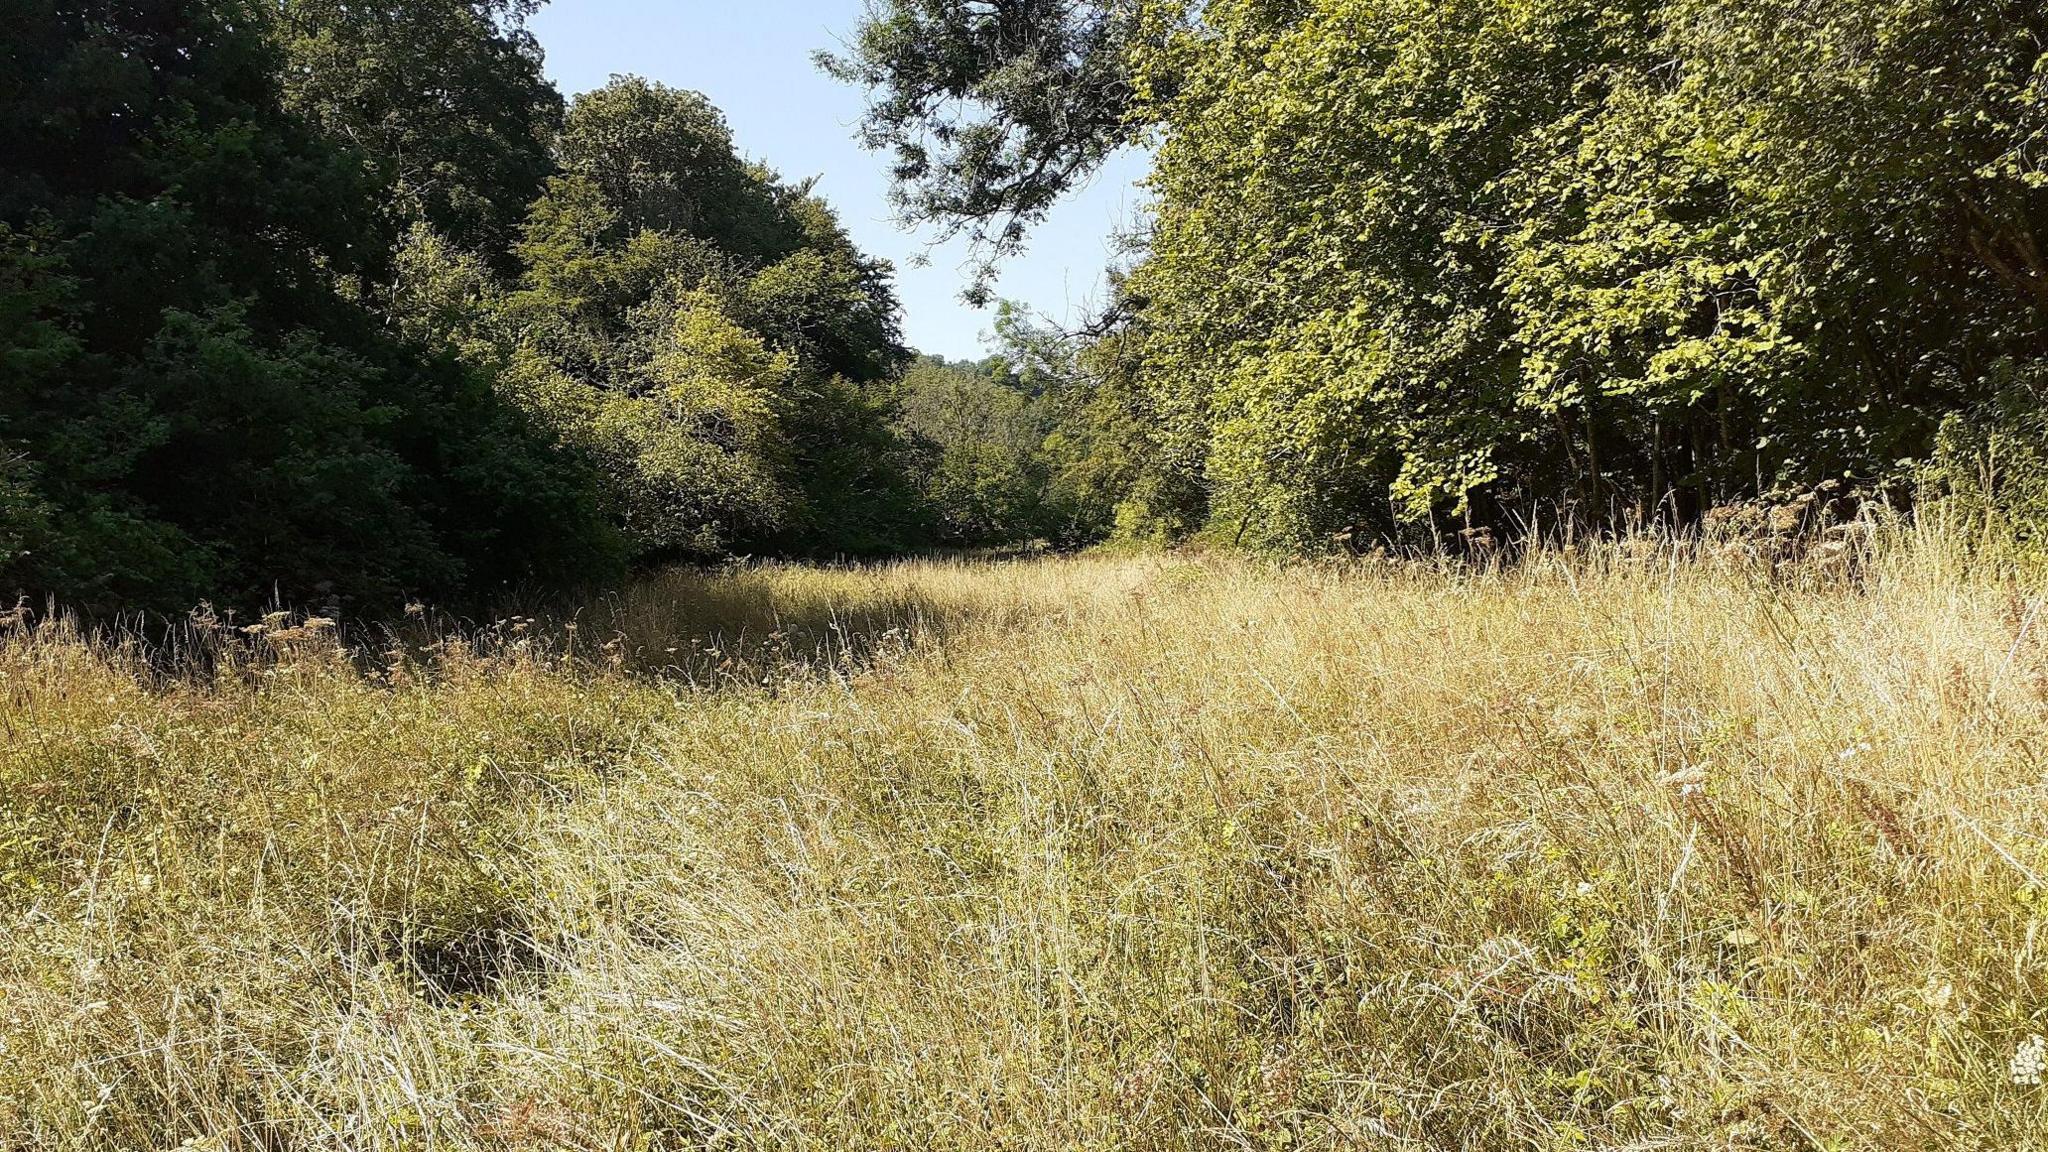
(1989, 474)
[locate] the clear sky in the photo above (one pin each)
(752, 58)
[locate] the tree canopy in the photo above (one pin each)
(343, 304)
(993, 111)
(443, 99)
(1509, 261)
(193, 401)
(305, 301)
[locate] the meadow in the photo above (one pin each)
(1632, 846)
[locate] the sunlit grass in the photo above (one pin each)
(1624, 849)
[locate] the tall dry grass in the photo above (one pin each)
(1624, 849)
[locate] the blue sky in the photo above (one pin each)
(753, 60)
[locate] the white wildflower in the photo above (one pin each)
(2029, 1060)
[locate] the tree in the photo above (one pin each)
(1117, 468)
(994, 111)
(663, 159)
(444, 98)
(977, 437)
(703, 331)
(194, 403)
(1496, 260)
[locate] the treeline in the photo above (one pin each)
(1416, 265)
(327, 303)
(1027, 445)
(342, 303)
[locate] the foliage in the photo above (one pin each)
(197, 404)
(445, 99)
(977, 437)
(1118, 471)
(663, 159)
(706, 333)
(1048, 439)
(1989, 470)
(993, 112)
(1105, 466)
(856, 473)
(1514, 262)
(337, 304)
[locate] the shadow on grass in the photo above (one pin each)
(706, 627)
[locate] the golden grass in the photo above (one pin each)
(1611, 851)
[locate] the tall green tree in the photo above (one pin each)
(191, 400)
(703, 331)
(663, 158)
(1517, 261)
(445, 99)
(977, 438)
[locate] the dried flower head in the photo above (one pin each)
(2029, 1061)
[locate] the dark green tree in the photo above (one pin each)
(444, 98)
(192, 402)
(976, 437)
(663, 159)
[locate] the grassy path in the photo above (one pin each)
(1094, 853)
